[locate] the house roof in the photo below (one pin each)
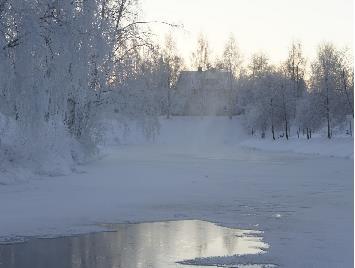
(211, 79)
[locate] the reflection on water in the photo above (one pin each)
(157, 245)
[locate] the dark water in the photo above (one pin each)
(158, 245)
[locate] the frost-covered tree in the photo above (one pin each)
(295, 68)
(60, 61)
(266, 98)
(259, 64)
(173, 64)
(347, 78)
(278, 97)
(327, 82)
(201, 56)
(231, 62)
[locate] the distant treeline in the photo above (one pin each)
(65, 65)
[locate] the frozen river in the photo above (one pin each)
(303, 204)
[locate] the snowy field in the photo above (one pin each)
(299, 196)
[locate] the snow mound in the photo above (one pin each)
(26, 154)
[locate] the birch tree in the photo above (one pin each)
(201, 56)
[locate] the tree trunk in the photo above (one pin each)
(168, 105)
(231, 102)
(272, 121)
(286, 128)
(327, 106)
(285, 111)
(351, 130)
(328, 119)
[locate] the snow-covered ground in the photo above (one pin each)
(336, 147)
(203, 168)
(200, 132)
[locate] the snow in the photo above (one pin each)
(336, 147)
(199, 131)
(207, 169)
(25, 155)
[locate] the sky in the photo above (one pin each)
(267, 26)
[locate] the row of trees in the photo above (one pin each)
(278, 97)
(297, 93)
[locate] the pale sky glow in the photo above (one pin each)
(258, 25)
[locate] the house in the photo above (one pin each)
(202, 93)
